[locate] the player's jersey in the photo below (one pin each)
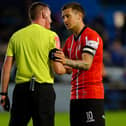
(86, 84)
(30, 46)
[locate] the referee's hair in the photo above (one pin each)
(35, 8)
(74, 6)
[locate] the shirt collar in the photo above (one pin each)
(76, 38)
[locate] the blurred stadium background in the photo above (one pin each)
(108, 18)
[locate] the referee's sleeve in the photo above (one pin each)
(10, 48)
(55, 41)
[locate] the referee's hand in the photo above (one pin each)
(5, 102)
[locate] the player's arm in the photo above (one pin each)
(68, 69)
(84, 64)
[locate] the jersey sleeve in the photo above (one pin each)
(10, 48)
(91, 43)
(55, 41)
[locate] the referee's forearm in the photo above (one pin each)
(5, 76)
(58, 67)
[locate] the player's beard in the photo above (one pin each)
(68, 26)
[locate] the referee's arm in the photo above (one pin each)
(58, 67)
(5, 74)
(5, 77)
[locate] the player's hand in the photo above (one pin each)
(61, 56)
(52, 54)
(5, 102)
(68, 69)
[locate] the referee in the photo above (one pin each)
(29, 47)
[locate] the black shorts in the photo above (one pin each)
(87, 112)
(39, 105)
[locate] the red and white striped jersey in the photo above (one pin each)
(86, 84)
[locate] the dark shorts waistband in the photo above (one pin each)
(24, 83)
(36, 86)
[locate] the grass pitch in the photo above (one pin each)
(113, 118)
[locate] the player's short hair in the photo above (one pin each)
(35, 9)
(74, 6)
